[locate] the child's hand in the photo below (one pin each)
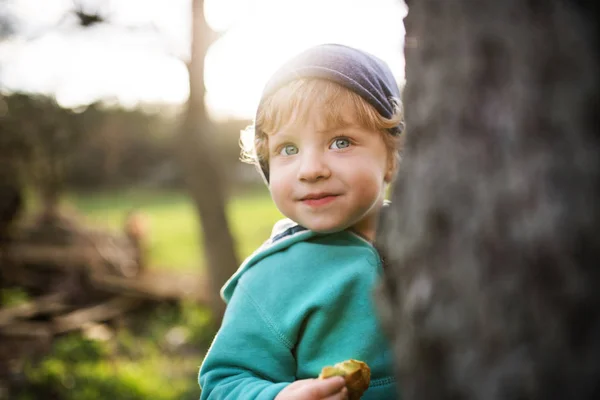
(315, 389)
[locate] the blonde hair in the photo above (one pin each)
(292, 103)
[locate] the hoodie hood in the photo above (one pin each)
(284, 234)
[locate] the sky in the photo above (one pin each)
(140, 55)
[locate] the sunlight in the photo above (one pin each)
(147, 65)
(223, 14)
(238, 65)
(122, 68)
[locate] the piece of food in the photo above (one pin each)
(356, 373)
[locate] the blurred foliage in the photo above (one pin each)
(101, 146)
(156, 356)
(126, 147)
(38, 141)
(38, 137)
(13, 296)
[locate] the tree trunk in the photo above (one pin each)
(492, 244)
(203, 176)
(51, 186)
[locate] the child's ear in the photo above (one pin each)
(392, 167)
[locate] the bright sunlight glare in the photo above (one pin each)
(147, 65)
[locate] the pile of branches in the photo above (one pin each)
(76, 279)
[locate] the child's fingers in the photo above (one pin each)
(322, 388)
(342, 395)
(315, 389)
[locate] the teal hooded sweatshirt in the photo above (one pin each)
(301, 302)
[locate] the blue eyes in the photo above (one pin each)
(340, 144)
(289, 150)
(337, 144)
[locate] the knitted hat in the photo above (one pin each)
(356, 70)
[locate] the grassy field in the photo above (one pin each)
(175, 235)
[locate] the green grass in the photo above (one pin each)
(137, 363)
(175, 235)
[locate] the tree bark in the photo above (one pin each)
(203, 176)
(492, 285)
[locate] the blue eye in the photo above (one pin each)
(289, 150)
(340, 143)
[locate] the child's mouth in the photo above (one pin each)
(321, 200)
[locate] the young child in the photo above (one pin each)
(326, 140)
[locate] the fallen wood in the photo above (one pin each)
(59, 248)
(55, 257)
(48, 304)
(42, 330)
(97, 313)
(28, 278)
(156, 286)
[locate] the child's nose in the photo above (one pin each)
(313, 167)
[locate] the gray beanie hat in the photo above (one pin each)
(356, 70)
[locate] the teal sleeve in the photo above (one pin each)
(249, 358)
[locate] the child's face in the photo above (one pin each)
(329, 180)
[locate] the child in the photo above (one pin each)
(326, 139)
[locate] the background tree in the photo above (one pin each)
(202, 168)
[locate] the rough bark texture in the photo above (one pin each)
(202, 173)
(492, 245)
